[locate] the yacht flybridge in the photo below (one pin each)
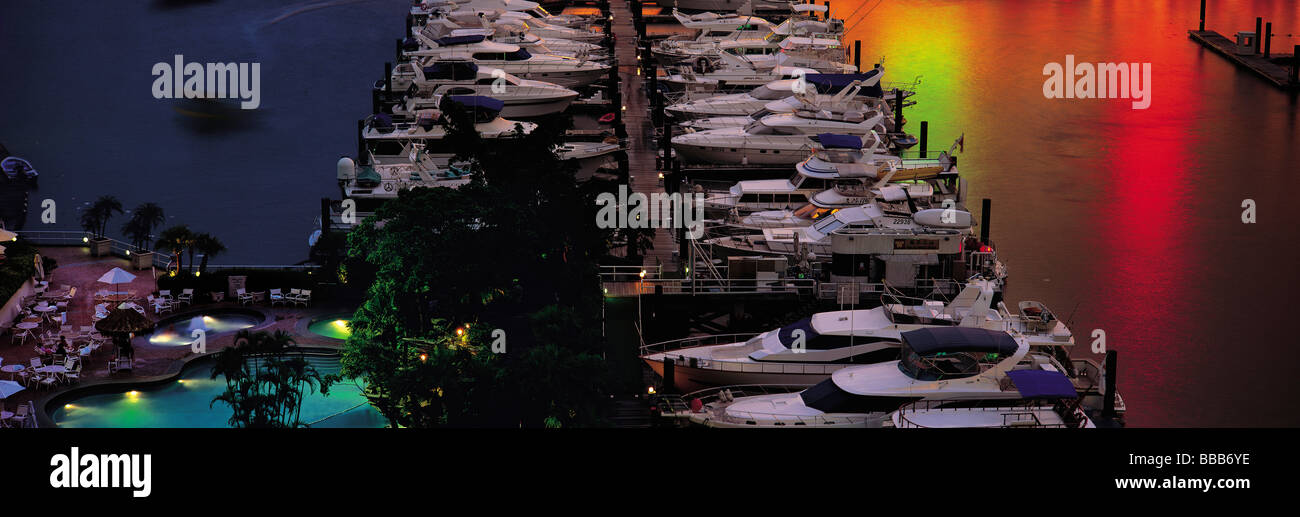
(523, 8)
(956, 364)
(564, 71)
(779, 139)
(520, 97)
(508, 31)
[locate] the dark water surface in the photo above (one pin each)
(1133, 216)
(77, 101)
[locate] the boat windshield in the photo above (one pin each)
(827, 397)
(826, 226)
(945, 365)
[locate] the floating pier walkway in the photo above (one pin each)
(1278, 69)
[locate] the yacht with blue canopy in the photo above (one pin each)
(955, 363)
(388, 140)
(750, 104)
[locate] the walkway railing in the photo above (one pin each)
(694, 341)
(123, 249)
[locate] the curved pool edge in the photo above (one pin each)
(303, 327)
(267, 319)
(46, 404)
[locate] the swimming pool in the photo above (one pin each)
(178, 331)
(184, 403)
(332, 326)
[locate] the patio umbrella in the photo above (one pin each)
(117, 276)
(123, 321)
(6, 235)
(8, 388)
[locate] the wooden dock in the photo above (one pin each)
(1267, 69)
(642, 170)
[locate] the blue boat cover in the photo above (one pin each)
(477, 101)
(929, 341)
(453, 70)
(1043, 384)
(831, 83)
(834, 141)
(459, 40)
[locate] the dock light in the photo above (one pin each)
(128, 253)
(624, 107)
(642, 273)
(460, 331)
(424, 357)
(650, 390)
(85, 239)
(197, 273)
(661, 175)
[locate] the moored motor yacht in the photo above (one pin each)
(389, 141)
(520, 97)
(815, 240)
(936, 363)
(849, 99)
(564, 71)
(779, 139)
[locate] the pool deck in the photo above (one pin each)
(78, 269)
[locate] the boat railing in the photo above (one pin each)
(629, 273)
(694, 286)
(940, 287)
(124, 249)
(1020, 414)
(694, 341)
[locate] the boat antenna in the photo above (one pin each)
(864, 15)
(1069, 322)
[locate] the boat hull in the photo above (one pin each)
(687, 379)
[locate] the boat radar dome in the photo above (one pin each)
(347, 169)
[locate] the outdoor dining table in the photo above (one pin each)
(53, 368)
(12, 370)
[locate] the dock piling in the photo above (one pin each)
(857, 55)
(1295, 66)
(670, 374)
(898, 110)
(388, 79)
(1268, 39)
(398, 55)
(1202, 15)
(361, 142)
(1259, 28)
(1112, 371)
(925, 129)
(986, 217)
(667, 144)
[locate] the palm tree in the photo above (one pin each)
(267, 377)
(176, 240)
(100, 213)
(209, 246)
(144, 220)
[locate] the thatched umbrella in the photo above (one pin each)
(121, 324)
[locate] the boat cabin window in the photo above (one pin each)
(827, 397)
(826, 226)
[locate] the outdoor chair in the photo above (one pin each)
(305, 297)
(277, 297)
(20, 417)
(245, 297)
(186, 297)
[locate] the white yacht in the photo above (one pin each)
(729, 79)
(564, 71)
(509, 31)
(521, 97)
(897, 180)
(936, 363)
(809, 350)
(815, 241)
(780, 139)
(710, 30)
(1048, 400)
(382, 181)
(532, 10)
(849, 99)
(389, 142)
(724, 6)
